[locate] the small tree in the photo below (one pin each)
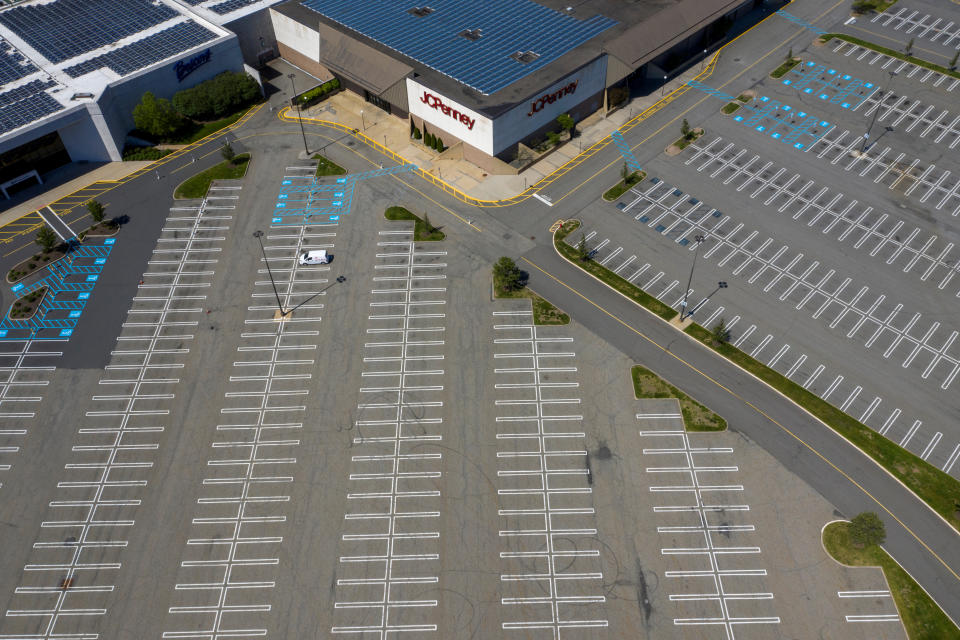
(866, 529)
(426, 223)
(416, 134)
(438, 144)
(720, 333)
(156, 116)
(625, 172)
(96, 210)
(428, 139)
(565, 120)
(46, 238)
(228, 153)
(507, 274)
(553, 138)
(909, 48)
(685, 128)
(582, 252)
(789, 54)
(953, 60)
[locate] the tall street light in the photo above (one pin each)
(299, 116)
(663, 86)
(363, 122)
(696, 250)
(880, 98)
(259, 236)
(720, 285)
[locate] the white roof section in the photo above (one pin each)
(226, 11)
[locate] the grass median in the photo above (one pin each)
(606, 276)
(893, 53)
(921, 616)
(423, 231)
(938, 489)
(326, 167)
(621, 187)
(197, 186)
(696, 417)
(782, 70)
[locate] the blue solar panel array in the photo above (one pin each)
(142, 53)
(66, 28)
(506, 27)
(26, 104)
(230, 5)
(13, 65)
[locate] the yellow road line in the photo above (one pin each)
(760, 411)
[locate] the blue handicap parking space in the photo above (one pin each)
(310, 200)
(69, 283)
(782, 122)
(829, 84)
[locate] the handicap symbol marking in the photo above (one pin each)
(334, 218)
(810, 64)
(336, 203)
(75, 314)
(831, 71)
(801, 114)
(277, 220)
(92, 278)
(824, 123)
(788, 82)
(868, 85)
(823, 96)
(3, 333)
(100, 261)
(764, 99)
(83, 296)
(786, 107)
(17, 287)
(775, 135)
(66, 333)
(109, 241)
(799, 145)
(738, 118)
(341, 180)
(808, 90)
(287, 182)
(338, 194)
(283, 196)
(281, 205)
(760, 128)
(845, 105)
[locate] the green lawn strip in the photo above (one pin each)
(782, 70)
(730, 107)
(893, 53)
(608, 277)
(327, 167)
(863, 7)
(696, 417)
(145, 153)
(544, 312)
(938, 489)
(621, 187)
(684, 141)
(921, 616)
(420, 231)
(196, 186)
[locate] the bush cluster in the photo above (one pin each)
(144, 153)
(317, 94)
(432, 141)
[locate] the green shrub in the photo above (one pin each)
(416, 134)
(317, 94)
(157, 116)
(438, 144)
(144, 153)
(216, 97)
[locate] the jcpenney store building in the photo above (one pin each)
(495, 74)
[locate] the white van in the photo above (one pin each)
(317, 256)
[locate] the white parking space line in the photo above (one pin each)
(225, 583)
(23, 378)
(871, 57)
(550, 567)
(389, 561)
(709, 544)
(73, 566)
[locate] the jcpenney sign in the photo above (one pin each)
(550, 98)
(183, 68)
(435, 102)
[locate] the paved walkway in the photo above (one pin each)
(350, 109)
(61, 184)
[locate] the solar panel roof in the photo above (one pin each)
(26, 104)
(223, 8)
(142, 53)
(515, 37)
(13, 65)
(66, 28)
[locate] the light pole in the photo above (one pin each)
(259, 236)
(683, 305)
(299, 116)
(362, 121)
(876, 112)
(663, 86)
(720, 285)
(704, 61)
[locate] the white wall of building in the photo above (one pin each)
(543, 107)
(493, 136)
(295, 35)
(452, 117)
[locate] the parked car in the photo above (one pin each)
(317, 256)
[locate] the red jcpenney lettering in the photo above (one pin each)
(550, 98)
(435, 102)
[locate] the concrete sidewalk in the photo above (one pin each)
(62, 182)
(351, 110)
